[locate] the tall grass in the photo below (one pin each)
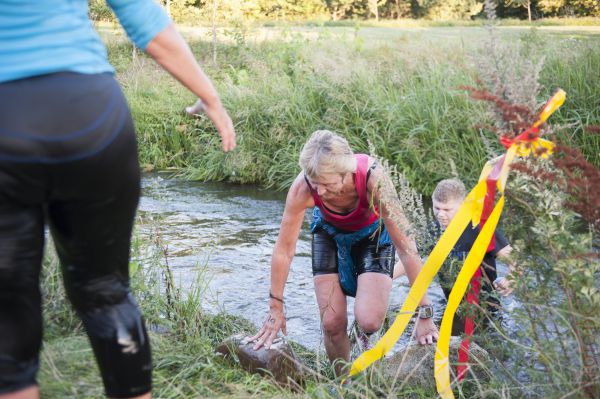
(183, 337)
(397, 89)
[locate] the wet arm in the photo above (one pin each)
(283, 253)
(285, 247)
(384, 194)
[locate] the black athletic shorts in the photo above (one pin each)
(368, 255)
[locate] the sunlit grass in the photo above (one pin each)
(398, 88)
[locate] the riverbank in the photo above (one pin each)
(175, 297)
(397, 88)
(183, 337)
(182, 334)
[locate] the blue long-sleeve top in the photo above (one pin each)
(38, 37)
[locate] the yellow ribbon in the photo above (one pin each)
(552, 105)
(538, 147)
(417, 290)
(469, 211)
(473, 261)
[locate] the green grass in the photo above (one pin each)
(183, 349)
(395, 87)
(183, 339)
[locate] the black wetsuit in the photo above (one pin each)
(68, 160)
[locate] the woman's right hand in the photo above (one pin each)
(172, 53)
(274, 323)
(220, 118)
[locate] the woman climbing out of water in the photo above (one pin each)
(68, 159)
(352, 250)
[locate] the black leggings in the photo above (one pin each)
(68, 159)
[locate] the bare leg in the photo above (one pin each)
(399, 270)
(334, 319)
(145, 396)
(371, 303)
(31, 392)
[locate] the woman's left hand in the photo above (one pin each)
(503, 286)
(427, 332)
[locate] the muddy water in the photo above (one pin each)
(228, 232)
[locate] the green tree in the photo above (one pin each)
(521, 3)
(551, 7)
(339, 9)
(584, 7)
(453, 9)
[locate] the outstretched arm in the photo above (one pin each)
(285, 248)
(149, 27)
(172, 52)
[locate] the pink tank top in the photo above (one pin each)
(362, 215)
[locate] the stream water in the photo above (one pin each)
(229, 232)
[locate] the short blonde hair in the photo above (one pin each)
(448, 190)
(326, 152)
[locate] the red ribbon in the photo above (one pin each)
(529, 135)
(473, 294)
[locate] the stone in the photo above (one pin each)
(279, 361)
(413, 366)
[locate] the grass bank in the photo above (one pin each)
(182, 334)
(398, 88)
(183, 338)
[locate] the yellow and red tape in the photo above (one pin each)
(471, 210)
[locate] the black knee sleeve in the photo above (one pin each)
(120, 342)
(17, 374)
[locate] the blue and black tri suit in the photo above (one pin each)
(68, 160)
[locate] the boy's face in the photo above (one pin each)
(444, 211)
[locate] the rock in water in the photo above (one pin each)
(280, 361)
(413, 366)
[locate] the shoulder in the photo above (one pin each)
(299, 194)
(376, 175)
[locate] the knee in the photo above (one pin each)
(108, 311)
(16, 374)
(369, 323)
(120, 341)
(88, 293)
(334, 325)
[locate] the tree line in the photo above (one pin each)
(197, 10)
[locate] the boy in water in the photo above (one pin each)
(447, 199)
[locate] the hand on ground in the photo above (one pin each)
(274, 323)
(427, 332)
